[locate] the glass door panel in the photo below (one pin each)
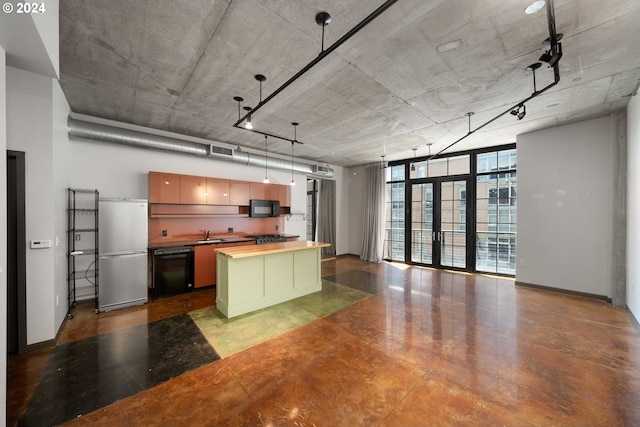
(422, 223)
(452, 236)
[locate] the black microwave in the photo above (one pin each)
(264, 208)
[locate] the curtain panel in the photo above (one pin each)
(327, 215)
(373, 221)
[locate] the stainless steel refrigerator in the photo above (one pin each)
(122, 233)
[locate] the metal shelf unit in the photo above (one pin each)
(82, 244)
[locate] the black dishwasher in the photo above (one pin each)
(172, 271)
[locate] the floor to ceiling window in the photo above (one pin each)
(435, 215)
(394, 215)
(496, 189)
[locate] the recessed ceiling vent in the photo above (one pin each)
(216, 150)
(322, 170)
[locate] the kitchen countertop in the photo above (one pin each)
(269, 248)
(215, 240)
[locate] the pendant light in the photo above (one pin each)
(266, 159)
(295, 139)
(248, 124)
(413, 164)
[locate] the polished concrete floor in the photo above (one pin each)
(411, 347)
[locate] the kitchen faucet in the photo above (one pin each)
(206, 234)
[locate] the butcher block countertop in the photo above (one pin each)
(269, 248)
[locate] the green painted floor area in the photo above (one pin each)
(229, 336)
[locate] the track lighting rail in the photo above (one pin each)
(553, 56)
(366, 21)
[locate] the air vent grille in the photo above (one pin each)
(321, 169)
(222, 151)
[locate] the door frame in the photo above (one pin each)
(20, 248)
(436, 256)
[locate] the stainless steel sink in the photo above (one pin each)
(209, 241)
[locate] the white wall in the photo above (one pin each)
(633, 206)
(47, 26)
(29, 125)
(565, 207)
(122, 171)
(3, 238)
(61, 161)
(36, 117)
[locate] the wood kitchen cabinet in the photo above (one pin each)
(167, 188)
(193, 190)
(217, 191)
(284, 195)
(239, 193)
(204, 265)
(204, 260)
(164, 187)
(262, 191)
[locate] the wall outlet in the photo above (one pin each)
(77, 236)
(164, 233)
(277, 227)
(57, 300)
(230, 230)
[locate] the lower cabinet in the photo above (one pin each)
(204, 260)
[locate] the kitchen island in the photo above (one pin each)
(254, 277)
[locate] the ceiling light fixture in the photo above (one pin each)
(469, 114)
(239, 99)
(323, 19)
(260, 78)
(533, 67)
(295, 126)
(534, 7)
(553, 55)
(520, 111)
(547, 41)
(248, 124)
(266, 159)
(413, 165)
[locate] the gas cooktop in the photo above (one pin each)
(268, 238)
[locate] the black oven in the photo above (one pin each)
(172, 271)
(264, 208)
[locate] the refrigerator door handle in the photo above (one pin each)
(119, 256)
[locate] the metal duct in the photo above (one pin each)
(80, 130)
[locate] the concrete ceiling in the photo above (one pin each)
(405, 80)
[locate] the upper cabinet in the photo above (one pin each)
(197, 190)
(217, 191)
(193, 190)
(164, 187)
(262, 191)
(284, 195)
(239, 193)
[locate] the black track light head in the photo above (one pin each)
(520, 111)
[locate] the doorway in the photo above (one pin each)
(439, 234)
(16, 254)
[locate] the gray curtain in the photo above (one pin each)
(327, 215)
(373, 218)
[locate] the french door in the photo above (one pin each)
(439, 234)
